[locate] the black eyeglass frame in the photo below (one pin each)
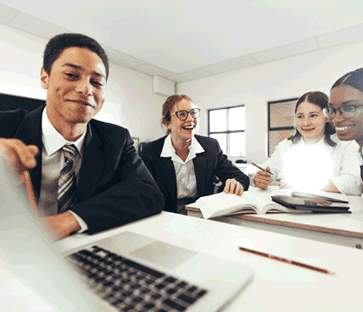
(334, 111)
(195, 110)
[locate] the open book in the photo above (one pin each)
(254, 201)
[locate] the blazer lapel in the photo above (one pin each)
(30, 132)
(166, 173)
(200, 172)
(93, 163)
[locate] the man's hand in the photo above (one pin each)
(262, 179)
(61, 225)
(19, 155)
(233, 187)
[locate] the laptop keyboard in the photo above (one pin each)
(131, 286)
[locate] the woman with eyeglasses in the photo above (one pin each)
(185, 165)
(345, 109)
(313, 158)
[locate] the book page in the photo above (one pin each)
(221, 204)
(262, 199)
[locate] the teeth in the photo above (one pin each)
(342, 128)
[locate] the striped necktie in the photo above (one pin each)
(67, 184)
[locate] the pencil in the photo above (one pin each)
(261, 168)
(299, 264)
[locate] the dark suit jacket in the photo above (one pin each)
(114, 186)
(207, 165)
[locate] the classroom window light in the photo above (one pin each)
(227, 126)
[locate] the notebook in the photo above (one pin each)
(151, 275)
(318, 204)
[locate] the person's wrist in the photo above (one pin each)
(70, 223)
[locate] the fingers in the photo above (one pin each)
(18, 153)
(262, 179)
(233, 187)
(61, 225)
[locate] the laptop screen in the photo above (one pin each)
(33, 275)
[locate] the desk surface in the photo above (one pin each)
(344, 229)
(341, 224)
(276, 286)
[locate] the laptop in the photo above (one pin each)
(125, 272)
(145, 274)
(34, 276)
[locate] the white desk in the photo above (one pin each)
(340, 229)
(276, 286)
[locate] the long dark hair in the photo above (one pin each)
(320, 99)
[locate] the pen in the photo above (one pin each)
(299, 264)
(261, 168)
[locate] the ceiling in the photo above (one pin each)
(183, 40)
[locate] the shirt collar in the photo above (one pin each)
(169, 151)
(320, 143)
(53, 140)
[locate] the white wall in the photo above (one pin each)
(278, 80)
(132, 104)
(130, 101)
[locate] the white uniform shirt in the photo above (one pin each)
(184, 171)
(52, 163)
(344, 157)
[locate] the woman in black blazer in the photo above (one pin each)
(185, 165)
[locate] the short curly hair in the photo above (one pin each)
(59, 43)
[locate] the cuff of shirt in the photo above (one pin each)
(346, 186)
(82, 224)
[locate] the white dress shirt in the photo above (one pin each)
(52, 163)
(344, 158)
(184, 170)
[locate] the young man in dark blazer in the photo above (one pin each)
(106, 184)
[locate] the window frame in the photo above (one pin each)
(277, 129)
(227, 132)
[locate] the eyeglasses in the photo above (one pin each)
(183, 114)
(347, 111)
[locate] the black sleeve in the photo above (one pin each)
(227, 170)
(10, 121)
(133, 197)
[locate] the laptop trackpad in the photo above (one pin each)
(163, 254)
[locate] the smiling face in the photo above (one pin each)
(352, 128)
(182, 130)
(76, 88)
(310, 121)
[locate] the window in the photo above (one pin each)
(281, 120)
(227, 125)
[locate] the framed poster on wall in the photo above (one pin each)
(281, 121)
